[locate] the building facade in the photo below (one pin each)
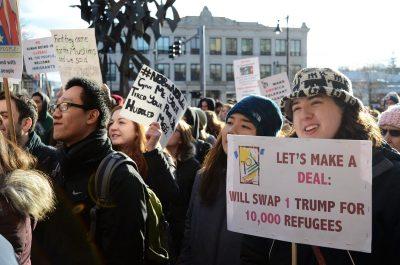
(225, 41)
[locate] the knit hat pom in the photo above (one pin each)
(390, 117)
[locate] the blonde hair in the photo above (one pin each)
(29, 192)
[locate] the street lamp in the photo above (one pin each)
(278, 31)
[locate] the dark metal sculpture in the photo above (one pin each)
(118, 22)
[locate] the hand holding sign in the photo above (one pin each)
(153, 135)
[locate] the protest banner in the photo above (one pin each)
(275, 87)
(309, 191)
(39, 56)
(76, 54)
(10, 44)
(154, 98)
(247, 74)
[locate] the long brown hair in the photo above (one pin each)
(356, 124)
(186, 148)
(137, 148)
(213, 174)
(214, 125)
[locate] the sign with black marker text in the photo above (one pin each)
(154, 98)
(39, 56)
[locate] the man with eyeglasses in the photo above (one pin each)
(389, 123)
(80, 117)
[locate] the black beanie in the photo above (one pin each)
(263, 112)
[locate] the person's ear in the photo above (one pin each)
(92, 116)
(26, 124)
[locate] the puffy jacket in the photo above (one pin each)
(385, 226)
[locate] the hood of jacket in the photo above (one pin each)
(192, 118)
(383, 159)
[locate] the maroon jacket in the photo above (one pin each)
(17, 229)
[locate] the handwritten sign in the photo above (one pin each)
(39, 56)
(275, 87)
(154, 97)
(308, 191)
(76, 54)
(247, 74)
(10, 40)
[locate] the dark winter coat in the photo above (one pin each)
(120, 230)
(44, 124)
(385, 226)
(46, 155)
(207, 240)
(161, 177)
(186, 171)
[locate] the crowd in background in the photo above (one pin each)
(47, 178)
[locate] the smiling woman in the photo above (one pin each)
(322, 105)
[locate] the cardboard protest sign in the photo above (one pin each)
(10, 40)
(309, 191)
(154, 97)
(275, 87)
(39, 56)
(76, 54)
(247, 74)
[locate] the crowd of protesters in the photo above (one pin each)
(47, 178)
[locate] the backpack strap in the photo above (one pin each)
(104, 173)
(102, 181)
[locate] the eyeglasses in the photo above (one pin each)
(64, 106)
(393, 133)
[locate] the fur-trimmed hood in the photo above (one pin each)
(29, 192)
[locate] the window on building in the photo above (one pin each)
(215, 46)
(195, 46)
(265, 47)
(180, 72)
(265, 70)
(247, 46)
(215, 72)
(112, 71)
(231, 46)
(280, 47)
(183, 39)
(295, 48)
(142, 46)
(163, 45)
(229, 72)
(195, 72)
(281, 68)
(294, 68)
(163, 68)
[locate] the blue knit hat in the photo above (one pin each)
(263, 112)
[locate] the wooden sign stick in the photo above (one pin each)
(294, 254)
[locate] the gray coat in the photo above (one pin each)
(207, 240)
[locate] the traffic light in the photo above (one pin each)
(175, 49)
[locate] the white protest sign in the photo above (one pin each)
(247, 74)
(309, 191)
(10, 40)
(39, 56)
(76, 54)
(275, 87)
(154, 98)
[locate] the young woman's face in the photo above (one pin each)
(316, 117)
(237, 124)
(392, 136)
(175, 139)
(122, 132)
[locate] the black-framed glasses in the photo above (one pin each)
(64, 106)
(392, 132)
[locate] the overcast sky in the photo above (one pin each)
(348, 33)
